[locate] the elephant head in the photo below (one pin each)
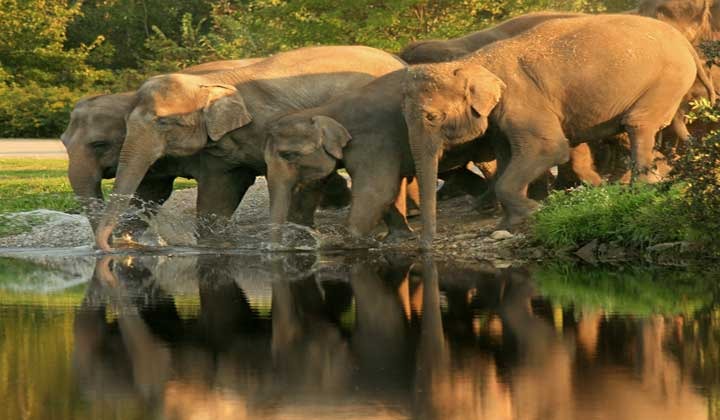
(174, 115)
(93, 140)
(444, 105)
(300, 149)
(698, 20)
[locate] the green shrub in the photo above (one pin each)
(35, 111)
(699, 169)
(637, 216)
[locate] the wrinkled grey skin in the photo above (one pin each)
(96, 133)
(223, 115)
(437, 51)
(531, 90)
(362, 131)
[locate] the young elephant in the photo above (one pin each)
(363, 131)
(546, 90)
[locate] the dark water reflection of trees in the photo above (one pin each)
(362, 337)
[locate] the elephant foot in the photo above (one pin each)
(513, 223)
(398, 236)
(487, 204)
(412, 213)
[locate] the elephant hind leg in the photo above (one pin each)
(396, 215)
(532, 155)
(373, 194)
(642, 144)
(642, 123)
(581, 160)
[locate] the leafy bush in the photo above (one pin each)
(638, 216)
(35, 111)
(699, 170)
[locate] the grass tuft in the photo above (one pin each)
(637, 216)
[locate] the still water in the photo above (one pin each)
(353, 336)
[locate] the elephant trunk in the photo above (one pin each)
(134, 164)
(280, 200)
(426, 168)
(85, 179)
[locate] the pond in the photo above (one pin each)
(353, 335)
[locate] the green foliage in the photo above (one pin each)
(170, 56)
(638, 216)
(699, 168)
(31, 110)
(127, 24)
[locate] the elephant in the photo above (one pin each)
(461, 180)
(581, 167)
(362, 131)
(96, 133)
(436, 51)
(533, 89)
(220, 118)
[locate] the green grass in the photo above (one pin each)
(635, 216)
(30, 184)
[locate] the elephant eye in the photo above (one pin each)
(168, 122)
(433, 117)
(100, 146)
(289, 155)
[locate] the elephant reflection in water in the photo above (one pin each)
(127, 358)
(226, 363)
(542, 377)
(397, 353)
(313, 356)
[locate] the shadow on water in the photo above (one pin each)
(355, 336)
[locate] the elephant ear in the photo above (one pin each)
(483, 89)
(224, 111)
(334, 136)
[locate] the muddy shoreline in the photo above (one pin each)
(462, 235)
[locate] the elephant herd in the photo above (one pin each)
(537, 91)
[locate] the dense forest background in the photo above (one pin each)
(53, 52)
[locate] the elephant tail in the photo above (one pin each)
(705, 79)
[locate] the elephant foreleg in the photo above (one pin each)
(530, 158)
(304, 203)
(219, 194)
(150, 195)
